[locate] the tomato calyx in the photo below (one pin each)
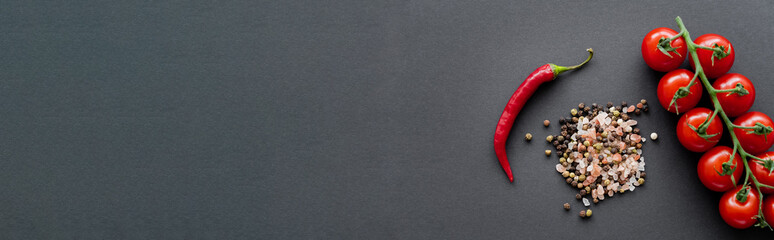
(758, 129)
(728, 168)
(761, 222)
(665, 46)
(738, 90)
(768, 164)
(702, 129)
(741, 195)
(681, 93)
(719, 52)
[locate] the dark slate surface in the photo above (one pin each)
(335, 119)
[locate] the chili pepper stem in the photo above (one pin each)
(560, 69)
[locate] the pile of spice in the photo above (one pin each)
(599, 150)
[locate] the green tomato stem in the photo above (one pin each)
(719, 109)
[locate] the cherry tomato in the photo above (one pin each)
(760, 172)
(751, 142)
(739, 214)
(670, 83)
(768, 209)
(713, 67)
(690, 139)
(711, 163)
(656, 59)
(734, 104)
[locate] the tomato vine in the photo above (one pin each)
(759, 129)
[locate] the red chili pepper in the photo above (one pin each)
(543, 74)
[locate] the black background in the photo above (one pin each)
(336, 119)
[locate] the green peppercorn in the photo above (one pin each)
(549, 138)
(588, 213)
(586, 143)
(572, 175)
(528, 136)
(566, 174)
(562, 160)
(588, 189)
(582, 178)
(548, 152)
(607, 182)
(586, 154)
(641, 181)
(604, 134)
(574, 111)
(616, 113)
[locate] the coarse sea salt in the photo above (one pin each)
(608, 170)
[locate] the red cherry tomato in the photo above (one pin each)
(711, 164)
(768, 209)
(751, 142)
(690, 139)
(713, 67)
(734, 104)
(739, 214)
(762, 174)
(670, 83)
(656, 59)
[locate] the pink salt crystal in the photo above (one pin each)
(601, 196)
(619, 131)
(560, 168)
(636, 157)
(616, 157)
(594, 194)
(592, 133)
(600, 191)
(610, 193)
(621, 146)
(630, 109)
(635, 137)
